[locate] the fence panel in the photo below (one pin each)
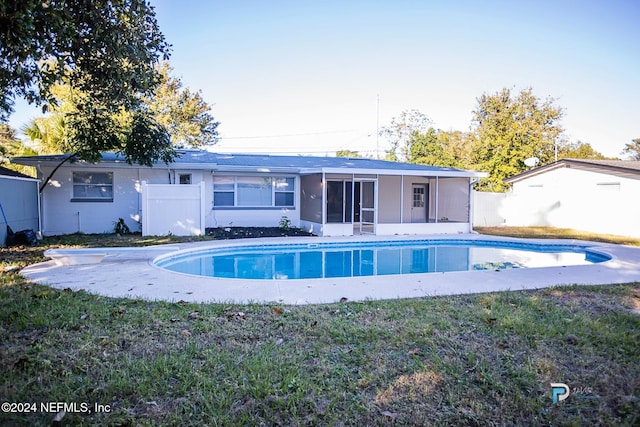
(173, 209)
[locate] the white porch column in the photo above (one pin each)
(437, 196)
(324, 199)
(402, 200)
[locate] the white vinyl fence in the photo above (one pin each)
(173, 209)
(488, 209)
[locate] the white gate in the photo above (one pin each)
(173, 209)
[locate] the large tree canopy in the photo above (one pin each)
(508, 130)
(185, 114)
(105, 50)
(439, 148)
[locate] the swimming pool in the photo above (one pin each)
(366, 258)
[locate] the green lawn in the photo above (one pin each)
(466, 360)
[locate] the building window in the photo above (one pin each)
(92, 187)
(224, 191)
(253, 191)
(185, 178)
(284, 191)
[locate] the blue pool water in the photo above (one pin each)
(326, 260)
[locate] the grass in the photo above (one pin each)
(557, 233)
(483, 359)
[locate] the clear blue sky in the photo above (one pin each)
(304, 77)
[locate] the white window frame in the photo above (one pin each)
(75, 185)
(274, 181)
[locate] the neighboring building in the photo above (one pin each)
(19, 199)
(325, 195)
(601, 196)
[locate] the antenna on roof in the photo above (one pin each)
(378, 126)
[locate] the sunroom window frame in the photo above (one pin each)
(274, 179)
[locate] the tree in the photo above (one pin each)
(400, 130)
(427, 149)
(632, 149)
(507, 130)
(184, 113)
(580, 150)
(348, 153)
(11, 147)
(439, 148)
(104, 49)
(47, 133)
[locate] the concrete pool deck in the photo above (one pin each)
(130, 273)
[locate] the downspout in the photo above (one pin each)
(41, 202)
(39, 207)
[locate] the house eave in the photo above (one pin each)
(577, 164)
(397, 172)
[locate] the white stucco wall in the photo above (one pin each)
(62, 216)
(251, 217)
(571, 198)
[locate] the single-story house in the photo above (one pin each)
(600, 196)
(19, 200)
(200, 189)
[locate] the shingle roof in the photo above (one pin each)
(298, 164)
(623, 164)
(628, 168)
(9, 172)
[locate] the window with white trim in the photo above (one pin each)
(92, 187)
(224, 190)
(284, 191)
(253, 191)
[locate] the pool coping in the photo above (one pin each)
(130, 273)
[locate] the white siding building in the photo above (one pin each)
(601, 196)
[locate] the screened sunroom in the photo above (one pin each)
(333, 203)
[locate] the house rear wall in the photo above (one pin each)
(62, 216)
(578, 199)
